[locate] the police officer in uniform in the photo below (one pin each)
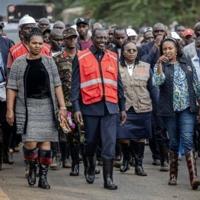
(97, 96)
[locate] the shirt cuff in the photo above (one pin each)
(158, 79)
(76, 106)
(122, 105)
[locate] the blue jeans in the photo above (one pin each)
(180, 126)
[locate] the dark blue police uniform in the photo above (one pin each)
(100, 119)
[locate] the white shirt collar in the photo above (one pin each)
(130, 68)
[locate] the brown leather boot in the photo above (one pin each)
(191, 164)
(173, 171)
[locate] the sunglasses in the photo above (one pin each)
(131, 50)
(157, 31)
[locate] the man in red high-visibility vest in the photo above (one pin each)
(97, 97)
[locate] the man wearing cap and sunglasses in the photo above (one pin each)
(84, 40)
(150, 52)
(147, 35)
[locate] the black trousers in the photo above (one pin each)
(9, 133)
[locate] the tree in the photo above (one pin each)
(141, 12)
(136, 12)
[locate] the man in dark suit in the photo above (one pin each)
(5, 45)
(97, 97)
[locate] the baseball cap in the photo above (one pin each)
(59, 25)
(69, 32)
(175, 35)
(82, 21)
(26, 19)
(131, 32)
(159, 26)
(188, 32)
(147, 29)
(56, 33)
(44, 21)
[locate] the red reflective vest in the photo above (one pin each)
(98, 80)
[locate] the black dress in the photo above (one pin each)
(41, 125)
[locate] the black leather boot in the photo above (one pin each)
(139, 154)
(31, 178)
(126, 157)
(75, 160)
(108, 174)
(30, 156)
(90, 164)
(44, 162)
(43, 170)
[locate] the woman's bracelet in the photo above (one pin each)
(63, 108)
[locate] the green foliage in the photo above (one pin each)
(135, 12)
(141, 12)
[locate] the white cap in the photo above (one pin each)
(131, 32)
(26, 19)
(175, 35)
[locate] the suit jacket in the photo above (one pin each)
(190, 51)
(5, 45)
(96, 109)
(192, 57)
(149, 53)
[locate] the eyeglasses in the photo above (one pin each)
(148, 38)
(157, 31)
(69, 37)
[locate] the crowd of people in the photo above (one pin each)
(95, 94)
